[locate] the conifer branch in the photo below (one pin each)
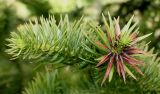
(68, 42)
(45, 40)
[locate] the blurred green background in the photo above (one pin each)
(14, 74)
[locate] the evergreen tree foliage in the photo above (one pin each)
(71, 60)
(48, 40)
(147, 13)
(73, 44)
(12, 73)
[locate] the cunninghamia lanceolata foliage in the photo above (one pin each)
(119, 46)
(73, 42)
(47, 40)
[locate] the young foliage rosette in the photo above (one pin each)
(117, 47)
